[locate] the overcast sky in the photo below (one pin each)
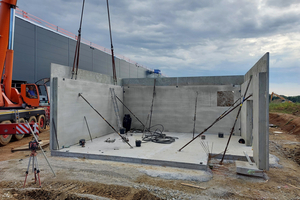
(190, 37)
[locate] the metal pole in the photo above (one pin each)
(195, 114)
(130, 111)
(40, 147)
(111, 46)
(54, 127)
(124, 139)
(152, 104)
(77, 49)
(88, 128)
(218, 119)
(235, 121)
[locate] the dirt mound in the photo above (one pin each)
(287, 122)
(144, 195)
(49, 194)
(74, 190)
(293, 152)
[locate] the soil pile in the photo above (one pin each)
(287, 122)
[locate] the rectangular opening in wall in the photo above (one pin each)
(225, 98)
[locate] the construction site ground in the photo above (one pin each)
(95, 179)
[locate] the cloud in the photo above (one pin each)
(187, 38)
(286, 89)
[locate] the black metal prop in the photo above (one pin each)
(218, 119)
(123, 138)
(87, 125)
(130, 111)
(235, 121)
(154, 93)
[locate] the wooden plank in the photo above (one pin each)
(195, 186)
(25, 147)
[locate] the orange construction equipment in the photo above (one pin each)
(15, 107)
(277, 95)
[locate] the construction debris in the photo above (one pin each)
(25, 147)
(110, 140)
(247, 169)
(195, 186)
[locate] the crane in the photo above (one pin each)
(15, 107)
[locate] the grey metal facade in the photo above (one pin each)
(36, 48)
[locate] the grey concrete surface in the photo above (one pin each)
(262, 65)
(174, 107)
(68, 110)
(259, 109)
(66, 72)
(184, 81)
(249, 123)
(199, 176)
(247, 169)
(261, 121)
(191, 157)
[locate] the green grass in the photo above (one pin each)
(286, 107)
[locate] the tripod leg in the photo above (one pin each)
(34, 168)
(38, 171)
(27, 171)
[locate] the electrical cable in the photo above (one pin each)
(157, 136)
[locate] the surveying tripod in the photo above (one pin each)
(33, 145)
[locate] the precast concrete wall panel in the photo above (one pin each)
(66, 72)
(185, 81)
(259, 87)
(247, 122)
(68, 109)
(71, 110)
(174, 107)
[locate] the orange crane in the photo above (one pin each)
(277, 95)
(15, 107)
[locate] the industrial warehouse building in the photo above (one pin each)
(36, 47)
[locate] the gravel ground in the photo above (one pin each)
(112, 173)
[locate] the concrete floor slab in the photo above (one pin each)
(191, 157)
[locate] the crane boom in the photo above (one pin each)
(7, 21)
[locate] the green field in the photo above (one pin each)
(289, 108)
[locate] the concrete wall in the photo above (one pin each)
(68, 109)
(185, 81)
(174, 104)
(35, 48)
(66, 72)
(258, 137)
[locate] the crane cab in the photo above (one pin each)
(30, 94)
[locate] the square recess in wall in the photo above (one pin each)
(225, 98)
